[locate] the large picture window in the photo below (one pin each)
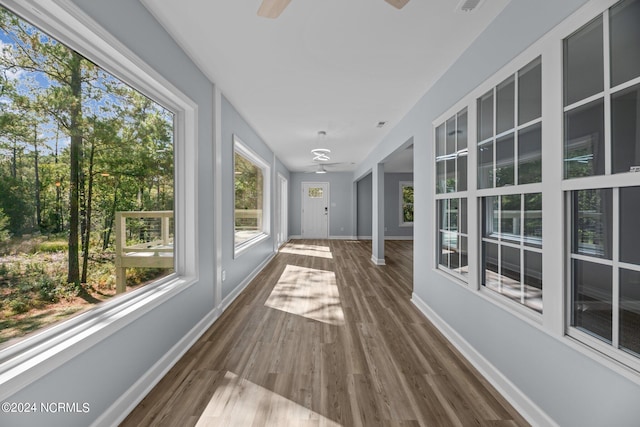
(86, 182)
(602, 138)
(251, 189)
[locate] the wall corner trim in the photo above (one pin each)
(377, 261)
(521, 402)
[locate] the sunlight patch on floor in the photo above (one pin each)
(307, 250)
(308, 292)
(239, 402)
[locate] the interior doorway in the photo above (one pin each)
(282, 212)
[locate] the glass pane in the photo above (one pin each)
(462, 130)
(464, 257)
(505, 105)
(451, 135)
(491, 211)
(485, 165)
(315, 193)
(510, 273)
(444, 249)
(485, 116)
(440, 159)
(462, 172)
(592, 222)
(490, 266)
(440, 141)
(533, 280)
(584, 140)
(625, 129)
(530, 154)
(504, 161)
(451, 175)
(443, 217)
(630, 310)
(510, 217)
(584, 63)
(625, 39)
(453, 215)
(248, 199)
(530, 92)
(463, 216)
(441, 176)
(533, 219)
(592, 298)
(630, 225)
(454, 256)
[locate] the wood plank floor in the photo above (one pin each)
(322, 337)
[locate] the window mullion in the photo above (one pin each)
(607, 93)
(522, 286)
(615, 257)
(494, 124)
(515, 128)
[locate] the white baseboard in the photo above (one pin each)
(119, 410)
(298, 237)
(520, 401)
(387, 238)
(226, 302)
(377, 261)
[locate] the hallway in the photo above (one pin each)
(322, 337)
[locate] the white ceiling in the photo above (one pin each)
(335, 65)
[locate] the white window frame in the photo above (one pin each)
(37, 355)
(610, 180)
(464, 194)
(554, 320)
(401, 221)
(243, 149)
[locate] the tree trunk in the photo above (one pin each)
(87, 231)
(14, 160)
(110, 218)
(75, 110)
(37, 176)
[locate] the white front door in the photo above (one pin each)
(315, 210)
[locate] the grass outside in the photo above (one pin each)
(33, 289)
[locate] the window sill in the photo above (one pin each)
(406, 224)
(245, 246)
(38, 355)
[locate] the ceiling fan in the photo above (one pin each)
(273, 8)
(321, 167)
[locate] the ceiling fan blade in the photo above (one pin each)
(272, 8)
(398, 4)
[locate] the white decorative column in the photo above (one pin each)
(377, 221)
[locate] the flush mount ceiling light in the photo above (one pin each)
(321, 154)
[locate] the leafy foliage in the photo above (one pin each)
(76, 146)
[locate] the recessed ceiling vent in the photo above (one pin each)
(466, 6)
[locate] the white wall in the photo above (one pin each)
(112, 366)
(340, 203)
(563, 382)
(391, 206)
(239, 268)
